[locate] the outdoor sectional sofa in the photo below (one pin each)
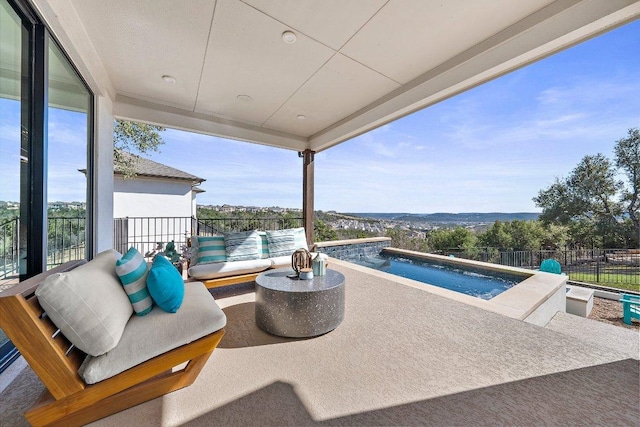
(240, 257)
(75, 325)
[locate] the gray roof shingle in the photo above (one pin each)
(146, 167)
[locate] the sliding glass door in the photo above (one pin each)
(14, 159)
(45, 153)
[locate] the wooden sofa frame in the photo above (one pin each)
(68, 400)
(229, 280)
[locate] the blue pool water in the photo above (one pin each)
(478, 283)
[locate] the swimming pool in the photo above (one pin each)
(484, 284)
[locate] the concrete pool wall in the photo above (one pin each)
(536, 299)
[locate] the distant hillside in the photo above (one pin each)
(474, 217)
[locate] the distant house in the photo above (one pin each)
(154, 207)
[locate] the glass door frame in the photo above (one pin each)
(33, 137)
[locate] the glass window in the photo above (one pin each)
(68, 118)
(44, 154)
(12, 156)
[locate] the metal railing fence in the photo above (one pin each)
(9, 247)
(147, 234)
(66, 241)
(219, 226)
(597, 266)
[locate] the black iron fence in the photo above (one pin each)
(66, 241)
(148, 234)
(218, 226)
(10, 247)
(597, 266)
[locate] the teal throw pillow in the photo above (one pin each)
(264, 245)
(132, 271)
(165, 284)
(211, 249)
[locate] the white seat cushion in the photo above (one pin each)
(230, 268)
(88, 304)
(156, 333)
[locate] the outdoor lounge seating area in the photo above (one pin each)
(239, 257)
(406, 362)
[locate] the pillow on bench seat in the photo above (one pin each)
(145, 337)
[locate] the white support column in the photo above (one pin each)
(103, 175)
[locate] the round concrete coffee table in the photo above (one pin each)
(299, 308)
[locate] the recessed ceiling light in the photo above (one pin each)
(301, 117)
(244, 98)
(289, 37)
(169, 79)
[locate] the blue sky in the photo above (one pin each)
(489, 149)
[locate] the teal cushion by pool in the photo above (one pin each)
(165, 284)
(132, 271)
(210, 249)
(242, 246)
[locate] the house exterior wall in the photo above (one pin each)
(151, 211)
(144, 197)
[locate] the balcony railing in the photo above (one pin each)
(10, 247)
(66, 241)
(597, 266)
(218, 226)
(147, 233)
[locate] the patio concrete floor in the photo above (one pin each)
(402, 356)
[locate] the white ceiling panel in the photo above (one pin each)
(339, 88)
(409, 37)
(356, 64)
(140, 41)
(247, 56)
(331, 22)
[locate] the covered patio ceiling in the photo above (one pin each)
(355, 65)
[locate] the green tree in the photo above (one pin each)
(587, 196)
(457, 238)
(593, 203)
(627, 151)
(322, 232)
(554, 236)
(130, 138)
(497, 236)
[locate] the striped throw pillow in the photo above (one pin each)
(132, 271)
(211, 249)
(286, 242)
(300, 238)
(242, 246)
(264, 245)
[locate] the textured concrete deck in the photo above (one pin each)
(624, 340)
(402, 356)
